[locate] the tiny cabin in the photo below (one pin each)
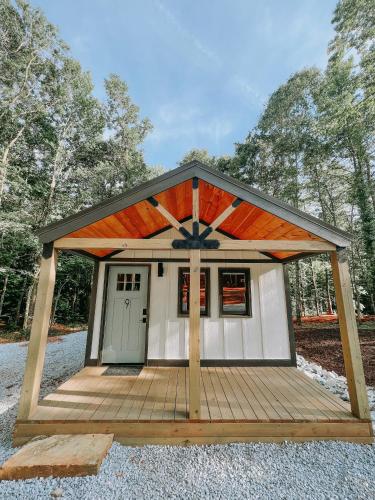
(190, 290)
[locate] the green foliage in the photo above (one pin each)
(313, 147)
(61, 150)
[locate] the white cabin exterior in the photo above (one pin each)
(264, 336)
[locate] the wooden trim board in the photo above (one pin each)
(189, 432)
(166, 244)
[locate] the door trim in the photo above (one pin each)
(104, 307)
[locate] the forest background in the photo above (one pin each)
(62, 150)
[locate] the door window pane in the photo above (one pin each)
(184, 291)
(128, 282)
(234, 291)
(120, 282)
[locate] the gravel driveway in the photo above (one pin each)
(315, 470)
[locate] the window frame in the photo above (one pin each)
(180, 312)
(246, 271)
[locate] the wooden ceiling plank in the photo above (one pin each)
(207, 200)
(125, 219)
(241, 220)
(222, 200)
(223, 216)
(154, 220)
(258, 222)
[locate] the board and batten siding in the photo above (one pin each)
(263, 336)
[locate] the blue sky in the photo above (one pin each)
(200, 70)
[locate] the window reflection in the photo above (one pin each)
(234, 292)
(184, 291)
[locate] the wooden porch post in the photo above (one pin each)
(39, 332)
(349, 335)
(194, 334)
(194, 316)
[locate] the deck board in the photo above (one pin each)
(162, 393)
(238, 404)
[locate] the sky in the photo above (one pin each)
(200, 70)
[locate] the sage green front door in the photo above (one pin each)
(125, 315)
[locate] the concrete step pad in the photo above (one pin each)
(58, 456)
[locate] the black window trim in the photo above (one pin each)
(180, 313)
(246, 271)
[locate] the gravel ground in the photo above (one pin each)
(329, 470)
(333, 382)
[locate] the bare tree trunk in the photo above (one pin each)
(74, 300)
(56, 302)
(3, 292)
(30, 299)
(304, 306)
(56, 170)
(19, 303)
(298, 293)
(5, 160)
(316, 297)
(27, 306)
(329, 299)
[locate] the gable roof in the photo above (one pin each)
(126, 209)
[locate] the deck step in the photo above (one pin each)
(58, 456)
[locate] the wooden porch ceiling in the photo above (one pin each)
(143, 220)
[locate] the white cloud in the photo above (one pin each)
(251, 95)
(196, 42)
(174, 121)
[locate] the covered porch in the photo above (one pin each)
(236, 404)
(195, 404)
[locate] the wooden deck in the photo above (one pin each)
(237, 404)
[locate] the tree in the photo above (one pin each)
(61, 150)
(27, 39)
(201, 155)
(122, 164)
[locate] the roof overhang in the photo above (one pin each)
(227, 189)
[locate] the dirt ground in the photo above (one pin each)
(56, 329)
(318, 340)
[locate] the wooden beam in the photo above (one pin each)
(39, 333)
(165, 213)
(277, 245)
(115, 243)
(195, 200)
(194, 336)
(224, 215)
(349, 335)
(166, 244)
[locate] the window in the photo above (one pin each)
(184, 288)
(234, 292)
(129, 282)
